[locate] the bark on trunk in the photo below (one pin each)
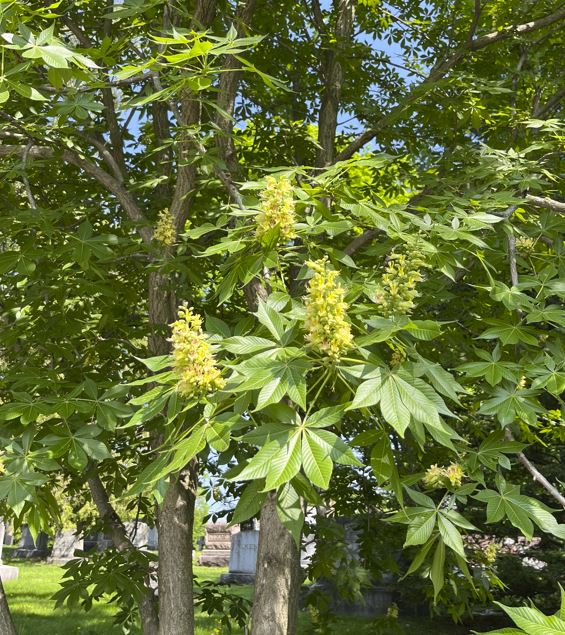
(277, 577)
(113, 524)
(6, 624)
(176, 520)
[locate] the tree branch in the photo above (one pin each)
(111, 184)
(550, 104)
(107, 98)
(117, 530)
(441, 69)
(546, 203)
(536, 474)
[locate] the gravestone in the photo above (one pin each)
(217, 545)
(64, 546)
(6, 572)
(29, 548)
(153, 539)
(243, 557)
(376, 599)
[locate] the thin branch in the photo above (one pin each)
(110, 183)
(27, 186)
(550, 104)
(318, 17)
(536, 474)
(441, 69)
(476, 18)
(104, 153)
(110, 115)
(117, 530)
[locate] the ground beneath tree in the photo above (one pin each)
(29, 598)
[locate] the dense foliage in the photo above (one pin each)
(205, 272)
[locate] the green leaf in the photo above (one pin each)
(534, 622)
(290, 512)
(324, 418)
(271, 319)
(316, 461)
(436, 572)
(382, 460)
(240, 345)
(450, 536)
(250, 501)
(285, 463)
(392, 407)
(368, 394)
(421, 528)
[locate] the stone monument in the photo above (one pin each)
(243, 556)
(376, 599)
(66, 542)
(6, 572)
(29, 548)
(217, 545)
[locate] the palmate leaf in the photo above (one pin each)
(509, 405)
(534, 622)
(522, 511)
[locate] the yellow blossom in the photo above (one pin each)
(328, 330)
(165, 230)
(277, 209)
(397, 358)
(193, 358)
(397, 292)
(392, 611)
(455, 474)
(525, 245)
(490, 553)
(438, 477)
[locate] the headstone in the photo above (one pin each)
(217, 545)
(6, 572)
(153, 539)
(103, 541)
(376, 599)
(243, 557)
(138, 533)
(64, 546)
(29, 548)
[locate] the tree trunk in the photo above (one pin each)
(6, 624)
(113, 524)
(277, 577)
(176, 521)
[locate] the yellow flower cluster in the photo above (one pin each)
(525, 245)
(437, 477)
(397, 358)
(392, 611)
(490, 553)
(397, 292)
(165, 230)
(193, 358)
(328, 330)
(277, 208)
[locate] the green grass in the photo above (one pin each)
(34, 612)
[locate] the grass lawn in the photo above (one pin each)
(33, 611)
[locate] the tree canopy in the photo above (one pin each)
(308, 253)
